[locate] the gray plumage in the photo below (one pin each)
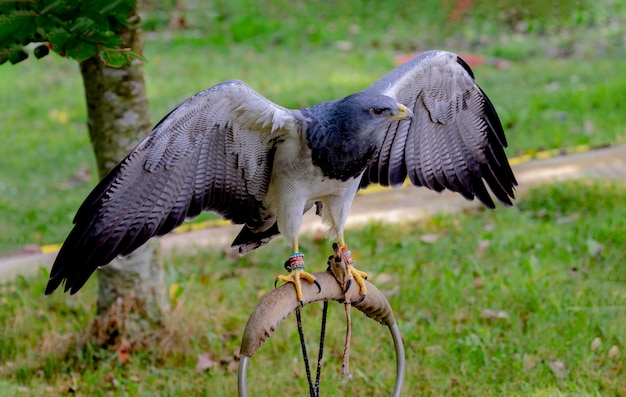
(231, 151)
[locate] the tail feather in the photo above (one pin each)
(256, 234)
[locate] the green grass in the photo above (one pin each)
(553, 264)
(562, 87)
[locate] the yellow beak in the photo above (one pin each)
(403, 113)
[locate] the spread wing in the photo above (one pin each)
(213, 152)
(455, 141)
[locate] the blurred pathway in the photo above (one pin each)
(384, 205)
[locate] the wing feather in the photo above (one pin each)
(214, 152)
(456, 140)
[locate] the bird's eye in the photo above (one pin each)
(377, 111)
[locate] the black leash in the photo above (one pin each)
(314, 389)
(321, 351)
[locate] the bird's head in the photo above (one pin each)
(369, 112)
(345, 134)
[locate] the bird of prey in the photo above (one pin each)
(229, 150)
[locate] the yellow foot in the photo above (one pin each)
(295, 265)
(355, 274)
(359, 277)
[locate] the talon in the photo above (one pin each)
(360, 300)
(276, 282)
(319, 287)
(329, 263)
(345, 291)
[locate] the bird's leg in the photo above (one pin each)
(295, 266)
(341, 250)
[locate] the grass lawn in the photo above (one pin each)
(561, 88)
(524, 301)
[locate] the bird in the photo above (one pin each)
(231, 151)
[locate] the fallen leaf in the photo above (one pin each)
(594, 248)
(173, 291)
(572, 271)
(490, 315)
(123, 351)
(435, 350)
(233, 366)
(559, 368)
(482, 247)
(383, 278)
(613, 352)
(567, 219)
(344, 45)
(205, 279)
(489, 226)
(429, 238)
(502, 315)
(596, 344)
(205, 362)
(478, 282)
(530, 361)
(460, 316)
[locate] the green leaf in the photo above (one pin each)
(78, 29)
(118, 9)
(112, 58)
(13, 53)
(80, 49)
(18, 56)
(41, 51)
(105, 39)
(57, 38)
(83, 25)
(99, 21)
(4, 55)
(55, 7)
(130, 55)
(16, 26)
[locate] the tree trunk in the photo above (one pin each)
(118, 117)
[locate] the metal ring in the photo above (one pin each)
(279, 303)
